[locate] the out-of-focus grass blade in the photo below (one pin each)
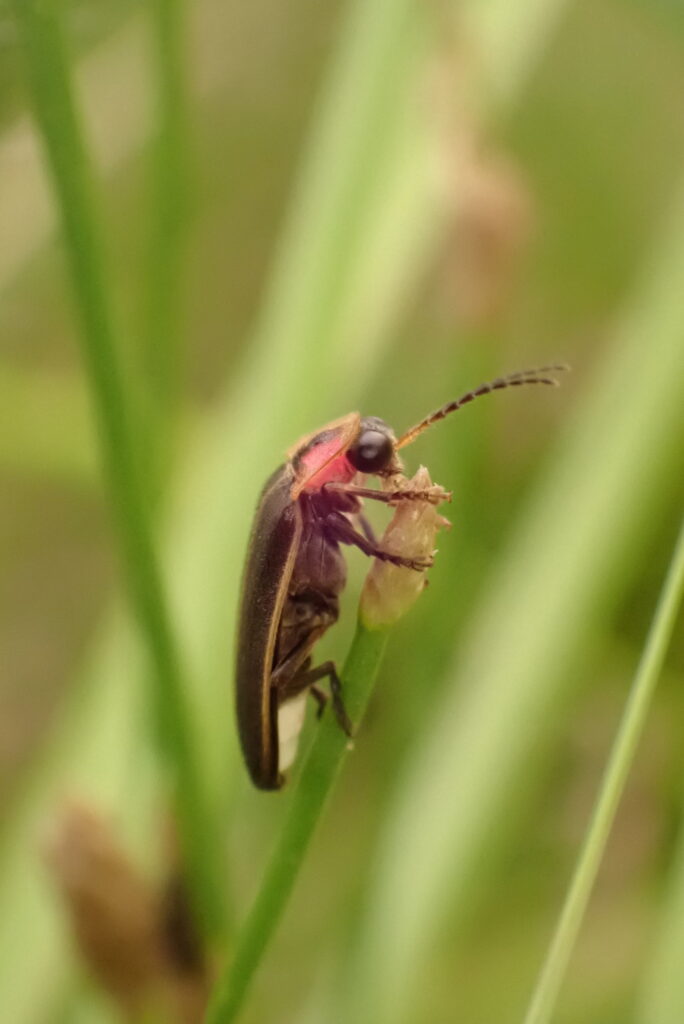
(636, 711)
(114, 85)
(113, 82)
(563, 574)
(48, 73)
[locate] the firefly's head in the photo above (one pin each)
(373, 450)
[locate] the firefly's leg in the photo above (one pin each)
(368, 531)
(286, 672)
(305, 679)
(343, 531)
(327, 669)
(321, 698)
(435, 495)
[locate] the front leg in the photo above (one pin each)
(434, 494)
(341, 530)
(368, 531)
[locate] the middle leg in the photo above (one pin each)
(343, 532)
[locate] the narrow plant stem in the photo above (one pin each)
(169, 205)
(48, 72)
(308, 799)
(613, 783)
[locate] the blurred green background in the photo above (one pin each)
(309, 208)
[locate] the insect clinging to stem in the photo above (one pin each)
(295, 570)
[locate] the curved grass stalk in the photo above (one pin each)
(555, 964)
(48, 72)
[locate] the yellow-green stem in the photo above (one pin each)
(306, 805)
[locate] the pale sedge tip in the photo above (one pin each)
(390, 590)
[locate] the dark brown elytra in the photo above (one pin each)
(295, 570)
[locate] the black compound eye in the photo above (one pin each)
(372, 452)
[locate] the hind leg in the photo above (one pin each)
(307, 678)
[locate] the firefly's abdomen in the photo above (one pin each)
(273, 546)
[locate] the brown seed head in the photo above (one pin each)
(113, 908)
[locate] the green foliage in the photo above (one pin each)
(431, 888)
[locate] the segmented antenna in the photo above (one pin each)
(511, 380)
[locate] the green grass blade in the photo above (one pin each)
(551, 976)
(307, 802)
(48, 72)
(163, 323)
(117, 120)
(567, 565)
